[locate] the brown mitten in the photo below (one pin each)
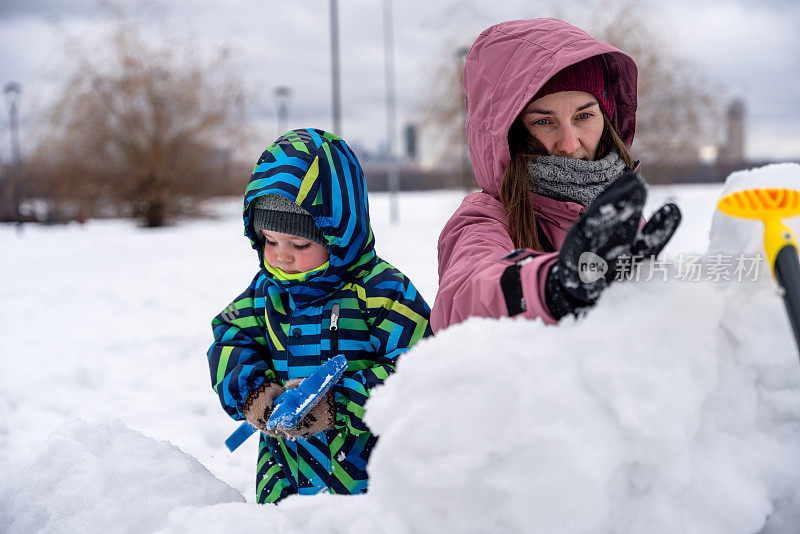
(321, 417)
(258, 406)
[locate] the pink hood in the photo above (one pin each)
(506, 67)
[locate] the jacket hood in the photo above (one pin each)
(317, 171)
(506, 67)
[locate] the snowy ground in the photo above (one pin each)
(672, 407)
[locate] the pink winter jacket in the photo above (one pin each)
(505, 68)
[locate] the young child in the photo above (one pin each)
(321, 290)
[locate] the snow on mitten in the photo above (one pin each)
(320, 418)
(587, 261)
(657, 232)
(258, 406)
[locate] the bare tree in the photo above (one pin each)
(679, 111)
(443, 111)
(141, 129)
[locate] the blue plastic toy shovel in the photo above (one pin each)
(239, 436)
(294, 404)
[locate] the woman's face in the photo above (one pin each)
(568, 124)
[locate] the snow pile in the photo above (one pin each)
(324, 513)
(104, 477)
(623, 422)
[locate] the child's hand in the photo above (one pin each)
(321, 417)
(259, 405)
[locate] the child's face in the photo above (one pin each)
(293, 254)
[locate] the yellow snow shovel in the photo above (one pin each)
(770, 206)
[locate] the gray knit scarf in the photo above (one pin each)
(571, 179)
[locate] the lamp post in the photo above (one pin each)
(11, 91)
(466, 182)
(336, 97)
(391, 113)
(282, 95)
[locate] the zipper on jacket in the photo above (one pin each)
(334, 330)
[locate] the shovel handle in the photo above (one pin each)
(787, 272)
(239, 436)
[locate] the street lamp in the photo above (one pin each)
(393, 172)
(335, 86)
(282, 95)
(12, 91)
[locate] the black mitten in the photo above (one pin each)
(587, 261)
(657, 232)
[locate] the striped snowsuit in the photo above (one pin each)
(282, 330)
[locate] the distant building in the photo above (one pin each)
(732, 152)
(410, 135)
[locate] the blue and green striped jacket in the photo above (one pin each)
(281, 330)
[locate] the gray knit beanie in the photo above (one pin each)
(279, 214)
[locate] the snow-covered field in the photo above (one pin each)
(674, 406)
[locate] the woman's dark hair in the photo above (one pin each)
(514, 186)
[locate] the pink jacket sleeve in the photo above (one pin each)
(472, 246)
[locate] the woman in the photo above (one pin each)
(551, 113)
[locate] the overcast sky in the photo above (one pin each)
(744, 49)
